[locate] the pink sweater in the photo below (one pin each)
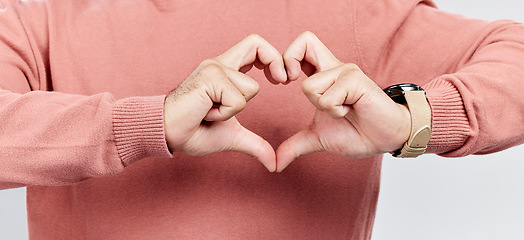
(81, 101)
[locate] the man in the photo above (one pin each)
(109, 158)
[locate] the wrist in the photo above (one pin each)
(414, 98)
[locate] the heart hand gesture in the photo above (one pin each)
(354, 117)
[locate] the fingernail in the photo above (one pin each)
(283, 73)
(289, 74)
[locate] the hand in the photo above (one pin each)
(354, 117)
(199, 114)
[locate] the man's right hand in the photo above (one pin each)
(199, 114)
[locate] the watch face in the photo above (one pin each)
(396, 92)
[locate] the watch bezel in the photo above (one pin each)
(396, 92)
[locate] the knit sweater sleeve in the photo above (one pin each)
(471, 69)
(488, 80)
(51, 138)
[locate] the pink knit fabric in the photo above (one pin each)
(81, 111)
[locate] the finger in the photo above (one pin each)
(309, 48)
(345, 91)
(229, 99)
(249, 50)
(250, 143)
(247, 86)
(260, 65)
(267, 73)
(356, 83)
(314, 86)
(304, 142)
(332, 102)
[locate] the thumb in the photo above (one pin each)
(302, 143)
(250, 143)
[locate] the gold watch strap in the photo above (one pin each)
(420, 112)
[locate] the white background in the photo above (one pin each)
(476, 197)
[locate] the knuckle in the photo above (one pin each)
(307, 87)
(239, 105)
(242, 104)
(308, 35)
(254, 37)
(325, 103)
(253, 89)
(351, 67)
(210, 68)
(209, 62)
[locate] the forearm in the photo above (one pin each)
(471, 70)
(489, 80)
(52, 138)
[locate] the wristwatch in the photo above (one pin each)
(414, 97)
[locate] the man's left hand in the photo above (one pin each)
(354, 117)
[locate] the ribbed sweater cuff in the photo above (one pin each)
(138, 126)
(450, 125)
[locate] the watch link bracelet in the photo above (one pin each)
(414, 97)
